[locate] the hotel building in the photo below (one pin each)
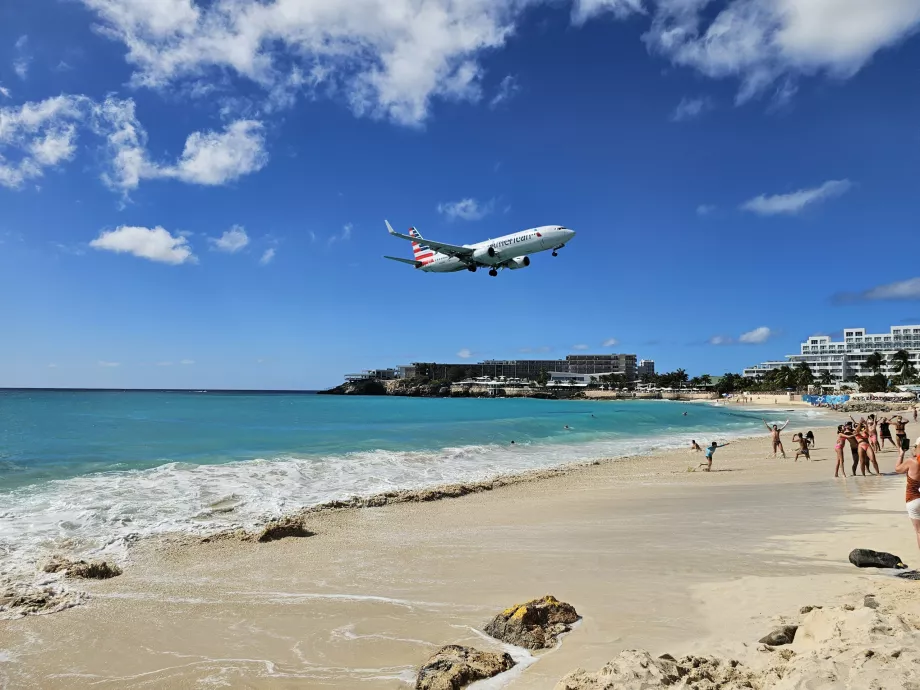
(847, 358)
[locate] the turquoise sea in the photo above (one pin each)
(94, 470)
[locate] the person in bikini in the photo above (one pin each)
(802, 440)
(842, 436)
(873, 432)
(910, 467)
(774, 436)
(885, 432)
(900, 432)
(811, 438)
(866, 452)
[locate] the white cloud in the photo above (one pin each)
(213, 158)
(506, 91)
(21, 63)
(720, 340)
(796, 201)
(757, 336)
(705, 209)
(762, 42)
(689, 108)
(164, 364)
(267, 257)
(386, 58)
(187, 362)
(209, 158)
(232, 241)
(579, 347)
(904, 289)
(4, 92)
(466, 209)
(611, 342)
(465, 353)
(40, 135)
(52, 366)
(155, 244)
(109, 364)
(583, 10)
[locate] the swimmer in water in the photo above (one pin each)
(566, 427)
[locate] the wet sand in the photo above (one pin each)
(651, 554)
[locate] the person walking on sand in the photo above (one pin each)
(710, 451)
(842, 437)
(911, 468)
(811, 438)
(774, 436)
(803, 446)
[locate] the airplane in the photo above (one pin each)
(510, 251)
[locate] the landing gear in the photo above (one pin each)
(493, 272)
(555, 253)
(471, 269)
(556, 249)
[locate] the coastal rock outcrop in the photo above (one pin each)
(834, 647)
(21, 600)
(534, 625)
(454, 667)
(866, 558)
(282, 529)
(365, 387)
(780, 636)
(636, 669)
(87, 570)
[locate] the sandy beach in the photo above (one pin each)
(651, 554)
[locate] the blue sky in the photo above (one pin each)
(193, 194)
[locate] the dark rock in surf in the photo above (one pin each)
(534, 625)
(454, 667)
(866, 558)
(780, 636)
(283, 529)
(87, 570)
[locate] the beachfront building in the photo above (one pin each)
(846, 358)
(597, 365)
(646, 367)
(373, 374)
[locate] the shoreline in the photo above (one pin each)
(643, 548)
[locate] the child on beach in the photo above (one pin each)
(695, 447)
(709, 453)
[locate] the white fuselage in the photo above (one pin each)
(504, 249)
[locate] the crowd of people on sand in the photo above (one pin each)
(865, 438)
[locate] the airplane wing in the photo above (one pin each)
(417, 264)
(441, 247)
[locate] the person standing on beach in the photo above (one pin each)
(873, 432)
(911, 468)
(710, 451)
(885, 429)
(854, 444)
(774, 435)
(842, 437)
(900, 432)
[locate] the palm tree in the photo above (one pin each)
(706, 380)
(905, 369)
(876, 361)
(826, 378)
(804, 376)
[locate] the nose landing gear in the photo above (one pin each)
(493, 272)
(556, 249)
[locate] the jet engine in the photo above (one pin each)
(519, 262)
(487, 255)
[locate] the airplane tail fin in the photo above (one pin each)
(420, 250)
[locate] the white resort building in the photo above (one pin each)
(847, 358)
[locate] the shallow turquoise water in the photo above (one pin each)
(87, 472)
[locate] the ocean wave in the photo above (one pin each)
(99, 515)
